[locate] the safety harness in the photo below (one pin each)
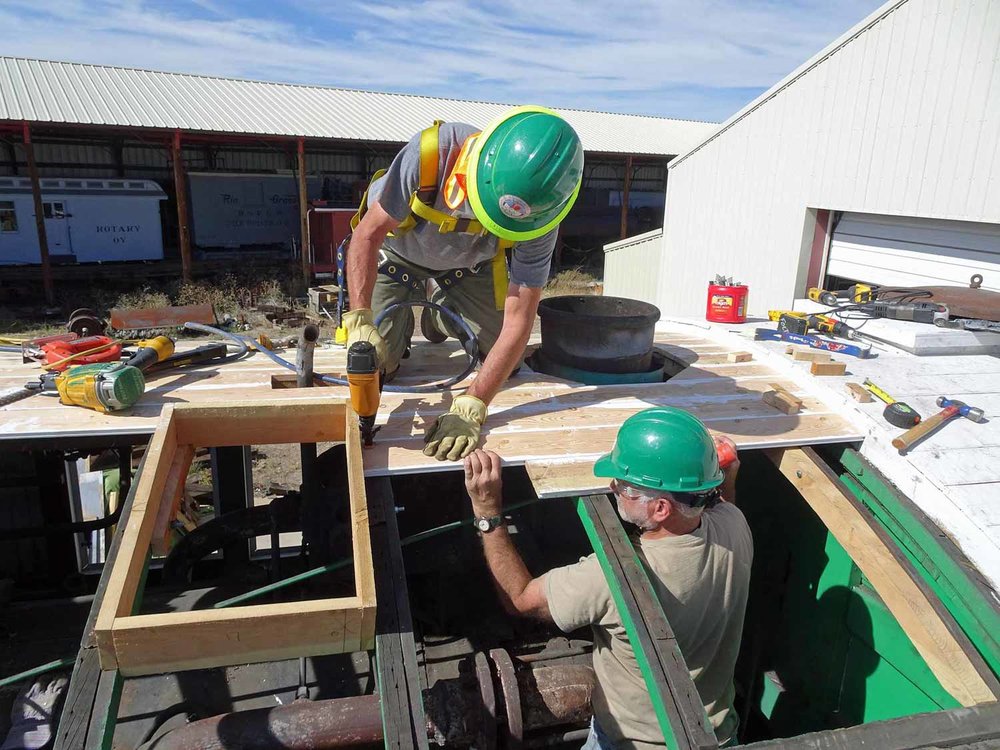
(422, 210)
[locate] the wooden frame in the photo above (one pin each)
(922, 616)
(175, 641)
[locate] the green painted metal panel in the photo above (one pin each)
(931, 554)
(875, 628)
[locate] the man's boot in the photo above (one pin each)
(429, 330)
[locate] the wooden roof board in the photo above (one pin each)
(535, 418)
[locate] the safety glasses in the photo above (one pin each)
(642, 494)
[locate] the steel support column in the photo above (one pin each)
(304, 248)
(626, 189)
(36, 193)
(180, 191)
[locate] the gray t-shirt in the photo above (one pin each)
(701, 579)
(424, 245)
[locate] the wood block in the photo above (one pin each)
(859, 393)
(810, 355)
(828, 368)
(782, 401)
(739, 357)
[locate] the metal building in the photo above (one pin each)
(70, 120)
(877, 160)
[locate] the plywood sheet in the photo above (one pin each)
(535, 418)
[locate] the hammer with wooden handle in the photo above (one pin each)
(950, 409)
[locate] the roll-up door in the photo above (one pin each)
(903, 251)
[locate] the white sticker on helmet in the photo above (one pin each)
(514, 207)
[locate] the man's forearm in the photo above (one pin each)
(499, 364)
(362, 268)
(510, 574)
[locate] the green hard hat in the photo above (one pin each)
(525, 172)
(663, 448)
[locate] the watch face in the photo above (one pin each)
(483, 524)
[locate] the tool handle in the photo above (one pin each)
(912, 435)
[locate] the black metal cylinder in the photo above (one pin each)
(599, 334)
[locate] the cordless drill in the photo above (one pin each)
(365, 382)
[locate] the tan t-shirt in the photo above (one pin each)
(701, 579)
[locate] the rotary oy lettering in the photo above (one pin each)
(119, 232)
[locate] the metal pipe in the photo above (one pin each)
(302, 725)
(549, 697)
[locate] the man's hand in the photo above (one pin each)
(360, 325)
(456, 434)
(483, 483)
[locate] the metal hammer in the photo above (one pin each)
(949, 409)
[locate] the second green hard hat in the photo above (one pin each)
(663, 448)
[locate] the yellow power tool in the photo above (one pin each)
(109, 386)
(365, 383)
(858, 293)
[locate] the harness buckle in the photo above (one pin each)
(448, 224)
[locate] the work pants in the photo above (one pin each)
(470, 295)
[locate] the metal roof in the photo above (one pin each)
(61, 92)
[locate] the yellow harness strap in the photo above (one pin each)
(422, 207)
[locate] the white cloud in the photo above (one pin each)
(698, 59)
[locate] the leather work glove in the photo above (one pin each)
(360, 325)
(456, 434)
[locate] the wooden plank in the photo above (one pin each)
(178, 641)
(173, 493)
(364, 576)
(739, 357)
(127, 572)
(564, 478)
(675, 700)
(930, 628)
(263, 422)
(399, 685)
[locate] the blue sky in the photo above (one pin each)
(693, 59)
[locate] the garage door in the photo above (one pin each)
(901, 251)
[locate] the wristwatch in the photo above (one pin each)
(486, 524)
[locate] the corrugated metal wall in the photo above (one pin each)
(632, 266)
(899, 117)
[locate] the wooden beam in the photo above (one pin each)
(264, 422)
(928, 625)
(564, 478)
(173, 493)
(36, 194)
(304, 247)
(364, 575)
(180, 191)
(178, 641)
(626, 189)
(123, 585)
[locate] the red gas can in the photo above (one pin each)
(727, 303)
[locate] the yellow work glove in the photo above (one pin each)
(455, 435)
(360, 325)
